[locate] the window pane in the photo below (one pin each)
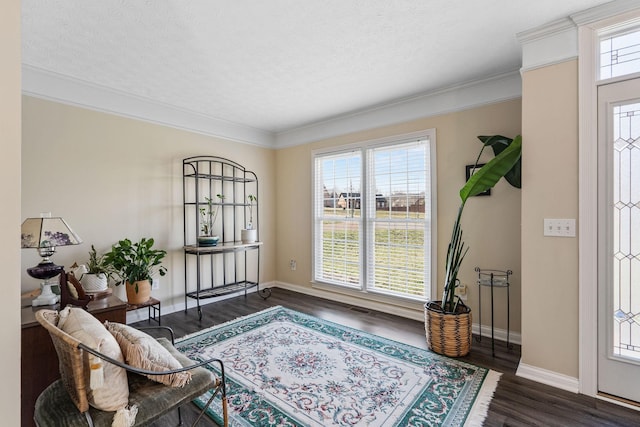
(340, 179)
(620, 54)
(338, 206)
(397, 259)
(626, 225)
(340, 253)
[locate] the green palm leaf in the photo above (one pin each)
(487, 176)
(499, 143)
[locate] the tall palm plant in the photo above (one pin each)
(482, 180)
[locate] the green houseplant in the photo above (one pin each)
(135, 264)
(442, 317)
(252, 199)
(208, 216)
(98, 272)
(249, 234)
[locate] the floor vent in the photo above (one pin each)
(360, 309)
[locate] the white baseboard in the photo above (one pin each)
(142, 314)
(547, 377)
(533, 373)
(368, 303)
(395, 309)
(499, 334)
(372, 303)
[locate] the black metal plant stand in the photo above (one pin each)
(493, 279)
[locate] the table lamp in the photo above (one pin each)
(45, 234)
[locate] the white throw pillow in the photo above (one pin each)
(109, 389)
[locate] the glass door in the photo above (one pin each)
(619, 239)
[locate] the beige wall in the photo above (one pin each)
(491, 224)
(550, 190)
(10, 211)
(111, 177)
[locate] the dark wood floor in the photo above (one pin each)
(517, 401)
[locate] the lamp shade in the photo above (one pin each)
(47, 232)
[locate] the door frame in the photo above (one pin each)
(588, 32)
(610, 364)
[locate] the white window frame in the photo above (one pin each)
(427, 135)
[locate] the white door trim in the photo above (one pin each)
(587, 208)
(587, 196)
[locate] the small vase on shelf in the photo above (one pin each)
(248, 235)
(208, 217)
(208, 240)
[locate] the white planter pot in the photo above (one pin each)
(249, 236)
(94, 282)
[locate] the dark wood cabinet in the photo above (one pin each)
(39, 362)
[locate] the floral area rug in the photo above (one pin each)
(286, 368)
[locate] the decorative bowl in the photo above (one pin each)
(208, 240)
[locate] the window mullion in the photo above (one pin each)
(364, 220)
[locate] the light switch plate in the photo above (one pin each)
(560, 227)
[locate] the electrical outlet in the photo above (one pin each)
(461, 291)
(292, 265)
(155, 284)
(560, 227)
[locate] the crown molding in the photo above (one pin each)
(474, 94)
(605, 11)
(549, 44)
(558, 26)
(56, 87)
(557, 41)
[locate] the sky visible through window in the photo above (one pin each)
(342, 175)
(397, 170)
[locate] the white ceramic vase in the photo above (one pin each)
(248, 236)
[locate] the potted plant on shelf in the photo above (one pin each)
(448, 321)
(249, 234)
(135, 264)
(96, 278)
(208, 216)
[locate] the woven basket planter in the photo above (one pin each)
(448, 334)
(139, 292)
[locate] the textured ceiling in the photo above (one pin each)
(280, 64)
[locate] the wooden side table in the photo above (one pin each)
(151, 304)
(39, 361)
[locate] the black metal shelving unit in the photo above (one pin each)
(230, 266)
